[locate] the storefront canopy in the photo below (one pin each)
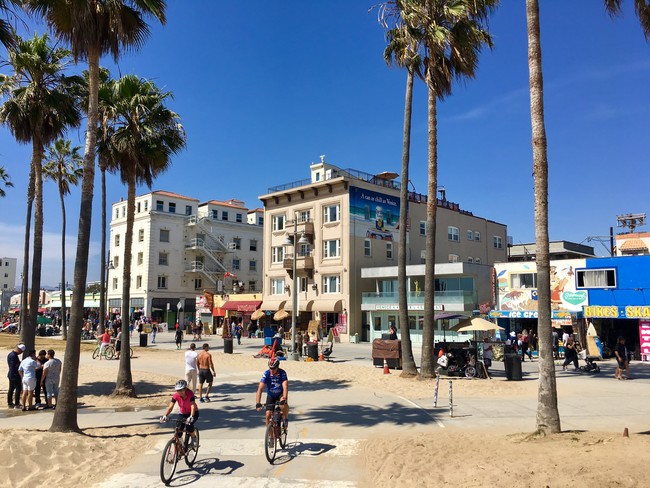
(273, 304)
(241, 306)
(325, 306)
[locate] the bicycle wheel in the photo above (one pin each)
(283, 435)
(96, 353)
(192, 450)
(270, 443)
(168, 461)
(109, 352)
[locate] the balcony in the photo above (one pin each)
(305, 227)
(304, 264)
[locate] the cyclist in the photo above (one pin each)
(105, 340)
(277, 383)
(189, 410)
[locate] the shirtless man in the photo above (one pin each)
(206, 372)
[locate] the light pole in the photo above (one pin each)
(104, 300)
(295, 356)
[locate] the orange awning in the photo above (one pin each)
(241, 305)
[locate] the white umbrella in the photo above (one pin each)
(476, 324)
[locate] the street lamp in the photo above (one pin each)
(295, 356)
(104, 300)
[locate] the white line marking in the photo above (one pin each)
(438, 422)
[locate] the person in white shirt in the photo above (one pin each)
(191, 370)
(487, 353)
(51, 378)
(27, 370)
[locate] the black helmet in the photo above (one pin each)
(180, 385)
(274, 363)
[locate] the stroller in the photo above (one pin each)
(590, 362)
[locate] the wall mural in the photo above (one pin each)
(374, 215)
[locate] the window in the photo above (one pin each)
(596, 278)
(453, 233)
(278, 222)
(277, 286)
(237, 242)
(224, 215)
(215, 214)
(470, 235)
(253, 245)
(117, 240)
(302, 283)
(140, 235)
(138, 281)
(236, 264)
(140, 258)
(172, 207)
(198, 283)
(160, 205)
(164, 235)
(423, 228)
(332, 248)
(470, 259)
(146, 205)
(116, 261)
(117, 213)
(477, 236)
(238, 218)
(252, 286)
(477, 260)
(523, 280)
(114, 283)
(304, 250)
(162, 281)
(252, 265)
(367, 249)
(497, 242)
(332, 284)
(163, 259)
(188, 209)
(304, 216)
(453, 258)
(124, 211)
(138, 206)
(332, 213)
(389, 250)
(260, 221)
(277, 254)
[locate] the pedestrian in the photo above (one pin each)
(39, 373)
(392, 333)
(620, 351)
(15, 381)
(524, 346)
(206, 372)
(105, 340)
(487, 353)
(556, 339)
(51, 378)
(570, 354)
(298, 344)
(179, 337)
(238, 331)
(154, 330)
(191, 369)
(118, 342)
(27, 370)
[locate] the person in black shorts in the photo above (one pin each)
(621, 359)
(179, 337)
(276, 382)
(206, 372)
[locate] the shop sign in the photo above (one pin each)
(618, 312)
(527, 314)
(644, 338)
(416, 306)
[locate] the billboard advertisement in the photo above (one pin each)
(374, 215)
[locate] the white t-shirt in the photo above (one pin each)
(53, 368)
(565, 338)
(190, 360)
(487, 350)
(28, 367)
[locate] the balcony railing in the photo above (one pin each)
(455, 297)
(303, 263)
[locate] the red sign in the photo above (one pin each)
(644, 339)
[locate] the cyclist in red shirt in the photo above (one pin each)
(189, 410)
(105, 340)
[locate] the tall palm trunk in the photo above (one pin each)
(28, 334)
(408, 362)
(548, 417)
(24, 295)
(65, 415)
(64, 322)
(428, 365)
(124, 384)
(103, 270)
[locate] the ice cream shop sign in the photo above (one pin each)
(617, 312)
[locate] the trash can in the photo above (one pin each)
(312, 351)
(227, 345)
(513, 366)
(143, 340)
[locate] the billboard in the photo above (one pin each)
(374, 215)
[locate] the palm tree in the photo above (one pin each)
(548, 416)
(642, 8)
(6, 181)
(64, 168)
(402, 51)
(41, 108)
(143, 135)
(7, 35)
(452, 34)
(92, 28)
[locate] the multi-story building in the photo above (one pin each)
(182, 248)
(7, 281)
(344, 220)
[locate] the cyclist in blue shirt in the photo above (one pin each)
(277, 384)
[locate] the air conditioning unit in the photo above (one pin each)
(232, 245)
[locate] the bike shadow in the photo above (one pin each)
(295, 449)
(204, 467)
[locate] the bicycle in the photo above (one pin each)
(109, 351)
(175, 449)
(275, 433)
(130, 349)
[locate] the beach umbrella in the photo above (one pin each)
(476, 324)
(257, 314)
(280, 315)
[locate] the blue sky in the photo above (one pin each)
(265, 88)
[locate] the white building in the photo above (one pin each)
(8, 273)
(182, 248)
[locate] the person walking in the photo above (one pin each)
(51, 378)
(191, 368)
(206, 372)
(621, 359)
(154, 330)
(179, 337)
(570, 354)
(238, 332)
(15, 381)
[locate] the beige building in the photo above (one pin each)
(346, 220)
(182, 247)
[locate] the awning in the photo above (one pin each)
(633, 245)
(241, 305)
(218, 312)
(325, 306)
(273, 304)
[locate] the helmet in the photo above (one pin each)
(180, 385)
(274, 363)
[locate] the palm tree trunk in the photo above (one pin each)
(428, 365)
(28, 335)
(65, 415)
(408, 362)
(102, 271)
(64, 322)
(24, 295)
(124, 386)
(548, 417)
